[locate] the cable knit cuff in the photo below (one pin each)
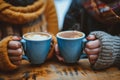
(110, 48)
(5, 64)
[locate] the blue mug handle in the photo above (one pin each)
(24, 57)
(83, 44)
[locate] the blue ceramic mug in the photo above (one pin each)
(36, 46)
(71, 44)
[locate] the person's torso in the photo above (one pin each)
(77, 18)
(24, 19)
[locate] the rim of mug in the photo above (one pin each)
(83, 35)
(49, 36)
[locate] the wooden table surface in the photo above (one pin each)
(54, 70)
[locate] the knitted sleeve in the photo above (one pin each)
(110, 50)
(5, 64)
(51, 17)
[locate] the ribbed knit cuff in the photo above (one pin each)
(117, 51)
(110, 48)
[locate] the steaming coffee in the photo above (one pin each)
(70, 34)
(36, 36)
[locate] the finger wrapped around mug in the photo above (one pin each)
(51, 52)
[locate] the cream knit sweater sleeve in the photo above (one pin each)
(110, 50)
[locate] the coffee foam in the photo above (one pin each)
(36, 37)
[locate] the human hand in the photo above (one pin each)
(15, 51)
(92, 48)
(57, 53)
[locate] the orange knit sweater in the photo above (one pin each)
(17, 20)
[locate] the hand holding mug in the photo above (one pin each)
(92, 48)
(15, 51)
(57, 53)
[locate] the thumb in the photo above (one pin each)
(16, 38)
(91, 37)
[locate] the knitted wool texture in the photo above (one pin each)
(36, 17)
(5, 64)
(17, 15)
(110, 50)
(10, 13)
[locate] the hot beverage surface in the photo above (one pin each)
(36, 36)
(73, 34)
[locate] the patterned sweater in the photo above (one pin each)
(39, 15)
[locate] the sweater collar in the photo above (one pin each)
(21, 14)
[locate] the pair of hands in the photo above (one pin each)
(92, 49)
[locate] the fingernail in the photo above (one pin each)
(89, 36)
